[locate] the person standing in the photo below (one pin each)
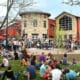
(4, 43)
(15, 55)
(42, 57)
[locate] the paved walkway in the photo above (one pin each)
(53, 51)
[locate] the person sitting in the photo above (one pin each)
(73, 61)
(65, 59)
(70, 74)
(33, 60)
(25, 54)
(43, 68)
(56, 73)
(9, 74)
(5, 62)
(47, 74)
(30, 71)
(7, 54)
(23, 62)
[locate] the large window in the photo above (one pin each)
(44, 24)
(35, 23)
(25, 35)
(65, 23)
(34, 36)
(25, 23)
(44, 36)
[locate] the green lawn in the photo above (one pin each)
(17, 68)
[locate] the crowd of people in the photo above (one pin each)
(48, 67)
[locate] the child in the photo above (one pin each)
(73, 61)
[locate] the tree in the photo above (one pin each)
(58, 40)
(16, 5)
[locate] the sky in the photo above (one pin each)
(54, 7)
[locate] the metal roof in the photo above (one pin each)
(73, 14)
(33, 11)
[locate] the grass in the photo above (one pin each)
(17, 68)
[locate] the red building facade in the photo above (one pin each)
(14, 29)
(78, 28)
(51, 28)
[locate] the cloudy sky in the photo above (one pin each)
(54, 7)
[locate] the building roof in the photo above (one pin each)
(11, 23)
(37, 12)
(73, 14)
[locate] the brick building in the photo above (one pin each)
(35, 24)
(51, 28)
(14, 29)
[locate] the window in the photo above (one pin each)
(44, 36)
(51, 26)
(44, 16)
(34, 36)
(51, 36)
(25, 35)
(25, 23)
(35, 23)
(65, 23)
(44, 24)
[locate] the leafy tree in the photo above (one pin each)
(58, 40)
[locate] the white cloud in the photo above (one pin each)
(2, 7)
(52, 6)
(3, 1)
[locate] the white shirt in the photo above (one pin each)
(5, 62)
(56, 74)
(15, 42)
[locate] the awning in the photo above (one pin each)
(76, 38)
